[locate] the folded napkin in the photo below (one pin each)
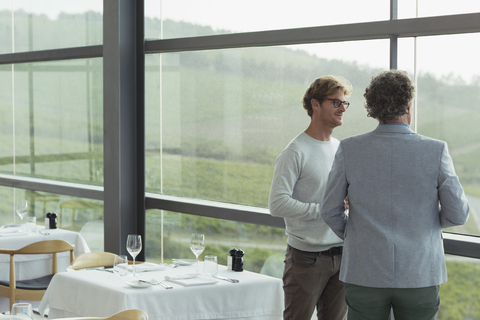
(190, 279)
(182, 276)
(146, 266)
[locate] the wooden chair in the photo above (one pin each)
(131, 314)
(33, 289)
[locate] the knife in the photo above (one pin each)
(227, 279)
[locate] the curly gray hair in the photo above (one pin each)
(388, 95)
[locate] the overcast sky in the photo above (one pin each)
(438, 55)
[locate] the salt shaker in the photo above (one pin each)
(231, 259)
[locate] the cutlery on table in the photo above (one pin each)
(166, 286)
(227, 279)
(156, 282)
(173, 265)
(180, 262)
(42, 232)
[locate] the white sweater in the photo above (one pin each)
(301, 173)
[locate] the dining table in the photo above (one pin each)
(169, 292)
(34, 266)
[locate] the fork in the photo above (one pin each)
(42, 232)
(155, 282)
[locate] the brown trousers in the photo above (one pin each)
(311, 280)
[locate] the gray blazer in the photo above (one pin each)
(402, 190)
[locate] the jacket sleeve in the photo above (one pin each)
(454, 207)
(333, 207)
(280, 202)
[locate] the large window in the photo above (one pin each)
(225, 115)
(203, 18)
(448, 109)
(223, 82)
(41, 25)
(57, 120)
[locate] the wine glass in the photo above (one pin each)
(21, 209)
(134, 246)
(197, 245)
(22, 311)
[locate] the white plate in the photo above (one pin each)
(184, 262)
(138, 284)
(12, 225)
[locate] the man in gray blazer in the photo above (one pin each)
(402, 190)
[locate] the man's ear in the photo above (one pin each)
(315, 103)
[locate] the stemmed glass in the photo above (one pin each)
(21, 209)
(197, 245)
(134, 246)
(22, 311)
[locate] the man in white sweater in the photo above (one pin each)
(314, 252)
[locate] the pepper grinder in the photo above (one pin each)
(51, 220)
(238, 265)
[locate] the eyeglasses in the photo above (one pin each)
(337, 103)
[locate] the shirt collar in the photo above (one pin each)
(395, 123)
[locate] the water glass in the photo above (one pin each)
(22, 311)
(120, 265)
(31, 224)
(210, 265)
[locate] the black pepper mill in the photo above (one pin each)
(52, 223)
(231, 259)
(238, 260)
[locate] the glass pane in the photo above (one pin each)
(428, 8)
(407, 9)
(226, 115)
(82, 215)
(448, 91)
(460, 295)
(7, 206)
(58, 110)
(6, 120)
(5, 27)
(50, 24)
(218, 16)
(259, 243)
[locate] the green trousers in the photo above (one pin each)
(367, 303)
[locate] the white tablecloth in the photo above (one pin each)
(33, 266)
(91, 293)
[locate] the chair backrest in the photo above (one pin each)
(92, 260)
(9, 289)
(131, 314)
